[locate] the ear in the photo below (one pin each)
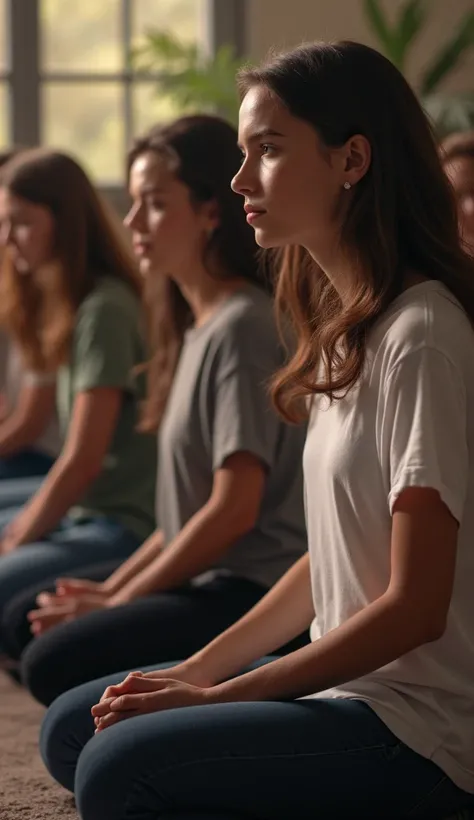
(358, 156)
(211, 215)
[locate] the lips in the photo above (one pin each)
(253, 213)
(141, 248)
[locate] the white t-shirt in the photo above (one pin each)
(13, 377)
(410, 422)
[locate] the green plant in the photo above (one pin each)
(193, 80)
(397, 40)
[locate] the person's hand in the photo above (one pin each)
(76, 587)
(185, 672)
(11, 536)
(144, 695)
(57, 609)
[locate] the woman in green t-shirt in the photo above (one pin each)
(70, 298)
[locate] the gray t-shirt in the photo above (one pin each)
(13, 378)
(219, 405)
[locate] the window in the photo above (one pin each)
(4, 79)
(67, 81)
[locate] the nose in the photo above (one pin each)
(243, 182)
(5, 233)
(133, 218)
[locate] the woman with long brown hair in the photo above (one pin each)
(229, 511)
(70, 299)
(29, 434)
(374, 717)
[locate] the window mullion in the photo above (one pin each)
(127, 60)
(25, 73)
(225, 24)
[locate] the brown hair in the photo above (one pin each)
(457, 145)
(402, 215)
(88, 244)
(202, 152)
(7, 154)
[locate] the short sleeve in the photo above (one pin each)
(105, 342)
(244, 418)
(421, 428)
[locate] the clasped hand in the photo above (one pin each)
(139, 694)
(73, 597)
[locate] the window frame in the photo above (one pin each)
(224, 22)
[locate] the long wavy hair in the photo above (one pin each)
(402, 214)
(202, 152)
(38, 309)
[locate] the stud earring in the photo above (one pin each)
(347, 185)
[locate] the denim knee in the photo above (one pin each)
(66, 728)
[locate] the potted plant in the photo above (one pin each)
(194, 81)
(448, 112)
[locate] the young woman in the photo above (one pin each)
(229, 490)
(374, 717)
(29, 434)
(457, 154)
(70, 300)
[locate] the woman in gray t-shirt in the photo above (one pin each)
(229, 490)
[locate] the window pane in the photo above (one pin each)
(81, 35)
(150, 108)
(180, 17)
(93, 127)
(4, 115)
(3, 37)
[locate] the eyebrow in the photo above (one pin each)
(265, 132)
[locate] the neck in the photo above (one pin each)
(336, 266)
(205, 293)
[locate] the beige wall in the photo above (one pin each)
(288, 22)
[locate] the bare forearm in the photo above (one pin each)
(285, 612)
(376, 636)
(140, 559)
(63, 487)
(198, 546)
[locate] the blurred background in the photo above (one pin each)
(88, 75)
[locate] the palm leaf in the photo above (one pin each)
(412, 18)
(378, 22)
(461, 42)
(407, 27)
(161, 48)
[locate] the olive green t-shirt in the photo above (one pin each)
(107, 346)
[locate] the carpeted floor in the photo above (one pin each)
(26, 790)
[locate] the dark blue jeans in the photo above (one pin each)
(24, 464)
(71, 546)
(297, 760)
(15, 492)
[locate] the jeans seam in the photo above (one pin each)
(427, 796)
(220, 759)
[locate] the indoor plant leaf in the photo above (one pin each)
(450, 55)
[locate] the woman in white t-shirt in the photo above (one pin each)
(29, 430)
(375, 718)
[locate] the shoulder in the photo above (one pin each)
(109, 298)
(425, 317)
(247, 321)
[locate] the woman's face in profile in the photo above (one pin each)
(26, 230)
